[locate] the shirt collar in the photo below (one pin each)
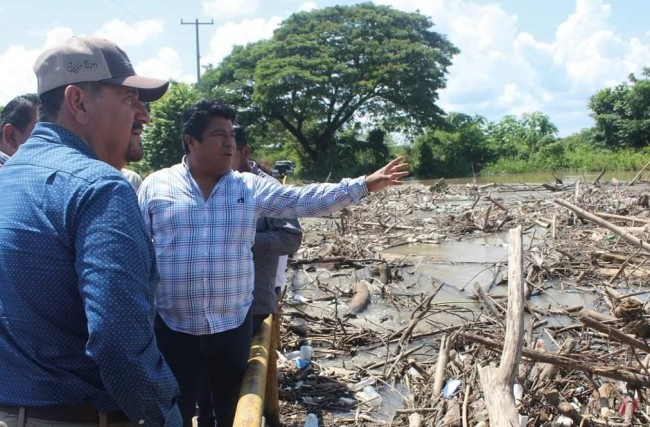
(3, 158)
(56, 134)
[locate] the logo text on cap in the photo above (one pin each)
(75, 67)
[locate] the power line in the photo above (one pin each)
(196, 24)
(125, 9)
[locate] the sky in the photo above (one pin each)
(517, 56)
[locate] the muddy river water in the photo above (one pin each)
(456, 265)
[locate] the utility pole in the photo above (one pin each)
(196, 24)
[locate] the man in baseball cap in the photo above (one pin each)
(92, 59)
(77, 344)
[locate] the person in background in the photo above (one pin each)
(17, 120)
(134, 153)
(274, 237)
(77, 267)
(202, 217)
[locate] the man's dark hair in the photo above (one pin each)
(240, 137)
(195, 119)
(51, 100)
(20, 111)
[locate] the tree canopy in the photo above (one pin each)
(162, 141)
(622, 113)
(332, 68)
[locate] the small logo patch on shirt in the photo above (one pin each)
(240, 200)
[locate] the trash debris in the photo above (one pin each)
(311, 420)
(576, 349)
(451, 388)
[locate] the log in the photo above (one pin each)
(489, 303)
(548, 371)
(360, 299)
(415, 420)
(497, 203)
(621, 373)
(553, 188)
(497, 382)
(615, 334)
(623, 218)
(638, 175)
(600, 175)
(441, 365)
(608, 225)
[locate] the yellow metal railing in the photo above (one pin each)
(258, 396)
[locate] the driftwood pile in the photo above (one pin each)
(557, 364)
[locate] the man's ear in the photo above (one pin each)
(189, 141)
(246, 152)
(75, 100)
(9, 135)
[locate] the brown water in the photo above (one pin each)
(456, 264)
(462, 264)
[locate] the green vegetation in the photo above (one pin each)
(340, 90)
(325, 72)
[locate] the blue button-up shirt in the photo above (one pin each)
(77, 278)
(203, 247)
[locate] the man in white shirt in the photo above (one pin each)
(202, 217)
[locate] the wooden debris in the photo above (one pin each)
(422, 351)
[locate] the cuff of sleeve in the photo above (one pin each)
(357, 189)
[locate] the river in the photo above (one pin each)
(535, 178)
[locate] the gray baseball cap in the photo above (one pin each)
(92, 59)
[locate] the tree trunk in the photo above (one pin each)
(497, 382)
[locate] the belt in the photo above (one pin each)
(66, 414)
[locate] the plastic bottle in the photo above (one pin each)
(311, 420)
(301, 363)
(306, 352)
(371, 394)
(361, 384)
(292, 355)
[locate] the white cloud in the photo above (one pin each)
(166, 64)
(125, 35)
(231, 34)
(16, 65)
(307, 6)
(222, 10)
(57, 35)
(16, 72)
(504, 70)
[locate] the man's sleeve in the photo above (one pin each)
(283, 237)
(143, 203)
(286, 201)
(116, 269)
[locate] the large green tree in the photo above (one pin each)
(622, 113)
(327, 69)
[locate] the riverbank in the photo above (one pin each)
(379, 309)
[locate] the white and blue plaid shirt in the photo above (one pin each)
(203, 247)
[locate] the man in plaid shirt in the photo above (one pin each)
(202, 217)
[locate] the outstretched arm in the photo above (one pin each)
(389, 175)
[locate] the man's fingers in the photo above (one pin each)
(401, 166)
(397, 175)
